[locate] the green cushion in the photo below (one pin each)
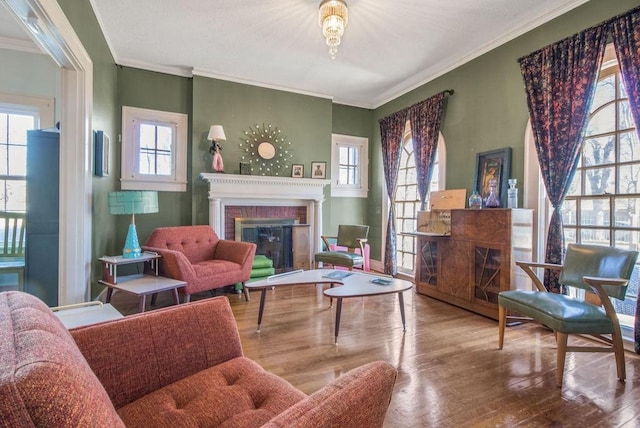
(260, 261)
(340, 258)
(262, 272)
(557, 311)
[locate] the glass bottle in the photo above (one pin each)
(512, 194)
(475, 201)
(492, 201)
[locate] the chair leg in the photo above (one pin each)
(187, 298)
(245, 290)
(561, 339)
(618, 349)
(502, 321)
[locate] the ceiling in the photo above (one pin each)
(389, 46)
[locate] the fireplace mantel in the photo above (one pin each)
(233, 189)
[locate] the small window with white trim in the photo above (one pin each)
(154, 150)
(349, 166)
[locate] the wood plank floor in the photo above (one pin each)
(450, 372)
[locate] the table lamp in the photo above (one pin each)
(216, 133)
(132, 202)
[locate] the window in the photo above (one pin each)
(603, 203)
(18, 114)
(407, 202)
(154, 150)
(13, 160)
(349, 166)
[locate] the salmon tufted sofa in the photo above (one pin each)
(196, 255)
(181, 366)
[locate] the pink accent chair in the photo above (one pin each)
(196, 255)
(135, 371)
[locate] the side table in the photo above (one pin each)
(139, 284)
(82, 314)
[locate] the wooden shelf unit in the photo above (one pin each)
(472, 265)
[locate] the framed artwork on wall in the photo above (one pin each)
(318, 170)
(297, 171)
(101, 144)
(495, 164)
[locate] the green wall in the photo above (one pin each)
(353, 121)
(155, 91)
(488, 110)
(305, 120)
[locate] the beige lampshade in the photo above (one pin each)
(216, 133)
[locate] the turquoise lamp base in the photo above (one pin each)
(131, 248)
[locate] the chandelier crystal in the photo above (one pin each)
(334, 16)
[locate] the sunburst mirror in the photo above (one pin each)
(267, 150)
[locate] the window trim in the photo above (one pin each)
(131, 179)
(361, 189)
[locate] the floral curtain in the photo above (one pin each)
(391, 131)
(625, 31)
(426, 118)
(560, 82)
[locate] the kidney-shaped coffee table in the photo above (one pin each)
(351, 284)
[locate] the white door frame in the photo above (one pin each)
(50, 29)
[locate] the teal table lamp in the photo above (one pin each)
(132, 202)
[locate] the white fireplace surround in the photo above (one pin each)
(256, 190)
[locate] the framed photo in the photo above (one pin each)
(297, 171)
(101, 148)
(494, 164)
(318, 170)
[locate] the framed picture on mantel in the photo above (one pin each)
(318, 169)
(495, 164)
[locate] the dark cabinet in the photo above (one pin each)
(42, 225)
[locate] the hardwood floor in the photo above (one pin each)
(450, 372)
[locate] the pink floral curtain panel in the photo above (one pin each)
(625, 31)
(560, 83)
(391, 131)
(426, 118)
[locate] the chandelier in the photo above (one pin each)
(334, 16)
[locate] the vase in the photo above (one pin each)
(492, 201)
(475, 201)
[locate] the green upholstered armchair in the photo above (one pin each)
(350, 236)
(603, 272)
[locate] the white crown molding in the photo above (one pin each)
(204, 73)
(481, 51)
(19, 45)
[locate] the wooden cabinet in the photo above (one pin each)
(301, 246)
(477, 261)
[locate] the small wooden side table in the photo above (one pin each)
(139, 284)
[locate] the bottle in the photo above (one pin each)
(512, 194)
(492, 201)
(475, 201)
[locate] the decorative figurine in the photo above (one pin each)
(216, 164)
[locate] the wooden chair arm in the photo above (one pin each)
(596, 284)
(325, 239)
(593, 280)
(539, 265)
(528, 267)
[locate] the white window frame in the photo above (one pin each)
(360, 189)
(131, 178)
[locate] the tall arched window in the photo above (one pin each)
(407, 202)
(603, 203)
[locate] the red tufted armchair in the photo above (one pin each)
(196, 255)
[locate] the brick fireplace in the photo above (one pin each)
(234, 196)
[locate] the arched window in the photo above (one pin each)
(407, 202)
(603, 203)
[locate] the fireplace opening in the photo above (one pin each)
(272, 236)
